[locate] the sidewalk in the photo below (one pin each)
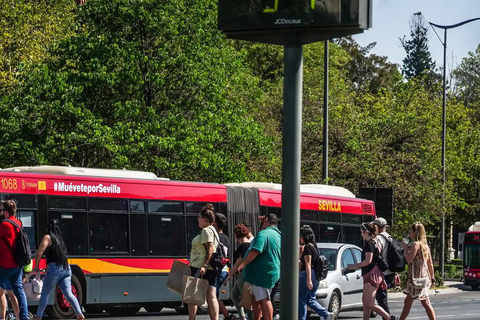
(448, 287)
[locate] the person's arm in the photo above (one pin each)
(411, 251)
(233, 269)
(46, 241)
(364, 263)
(308, 270)
(209, 248)
(249, 258)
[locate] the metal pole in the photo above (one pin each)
(325, 115)
(444, 129)
(292, 133)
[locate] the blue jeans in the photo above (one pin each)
(15, 276)
(308, 297)
(57, 275)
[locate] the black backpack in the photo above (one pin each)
(21, 253)
(395, 256)
(219, 258)
(320, 266)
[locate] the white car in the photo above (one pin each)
(341, 290)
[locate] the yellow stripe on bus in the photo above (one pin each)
(98, 266)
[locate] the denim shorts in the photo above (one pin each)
(5, 284)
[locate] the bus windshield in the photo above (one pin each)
(472, 255)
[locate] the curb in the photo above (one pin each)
(451, 287)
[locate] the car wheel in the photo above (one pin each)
(203, 309)
(335, 304)
(373, 314)
(183, 310)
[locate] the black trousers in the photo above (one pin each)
(381, 296)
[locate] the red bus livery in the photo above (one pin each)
(123, 228)
(471, 257)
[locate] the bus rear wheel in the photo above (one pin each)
(61, 308)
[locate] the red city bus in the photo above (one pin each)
(123, 229)
(471, 257)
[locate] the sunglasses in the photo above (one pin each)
(364, 228)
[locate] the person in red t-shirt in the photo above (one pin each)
(9, 269)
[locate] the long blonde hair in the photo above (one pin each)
(420, 236)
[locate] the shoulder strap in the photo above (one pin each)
(218, 240)
(384, 237)
(12, 222)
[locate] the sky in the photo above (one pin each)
(391, 21)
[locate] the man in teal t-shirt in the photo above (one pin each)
(261, 266)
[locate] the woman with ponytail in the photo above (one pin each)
(58, 270)
(372, 276)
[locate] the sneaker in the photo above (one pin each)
(393, 318)
(277, 317)
(329, 316)
(230, 317)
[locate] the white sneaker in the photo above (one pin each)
(277, 317)
(329, 317)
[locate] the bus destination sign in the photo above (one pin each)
(472, 237)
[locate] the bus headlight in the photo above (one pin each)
(323, 285)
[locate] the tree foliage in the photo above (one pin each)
(142, 85)
(418, 61)
(28, 29)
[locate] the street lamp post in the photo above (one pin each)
(444, 128)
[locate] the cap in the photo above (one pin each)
(381, 222)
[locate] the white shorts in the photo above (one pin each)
(260, 293)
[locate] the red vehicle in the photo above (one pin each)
(471, 257)
(124, 228)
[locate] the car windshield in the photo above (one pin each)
(331, 255)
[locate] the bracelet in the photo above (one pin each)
(205, 265)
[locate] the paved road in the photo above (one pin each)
(449, 304)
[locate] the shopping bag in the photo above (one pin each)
(195, 290)
(175, 277)
(245, 299)
(419, 283)
(33, 287)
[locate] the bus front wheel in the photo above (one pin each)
(61, 308)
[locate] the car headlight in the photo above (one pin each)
(323, 285)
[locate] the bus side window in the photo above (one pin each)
(74, 230)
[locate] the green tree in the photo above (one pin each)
(418, 61)
(28, 29)
(467, 79)
(144, 85)
(368, 72)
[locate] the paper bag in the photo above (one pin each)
(195, 290)
(245, 299)
(175, 277)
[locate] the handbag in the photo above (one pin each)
(419, 283)
(33, 287)
(175, 277)
(194, 290)
(245, 299)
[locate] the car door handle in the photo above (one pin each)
(358, 277)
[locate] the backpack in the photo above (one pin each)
(219, 258)
(395, 256)
(382, 263)
(21, 253)
(320, 266)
